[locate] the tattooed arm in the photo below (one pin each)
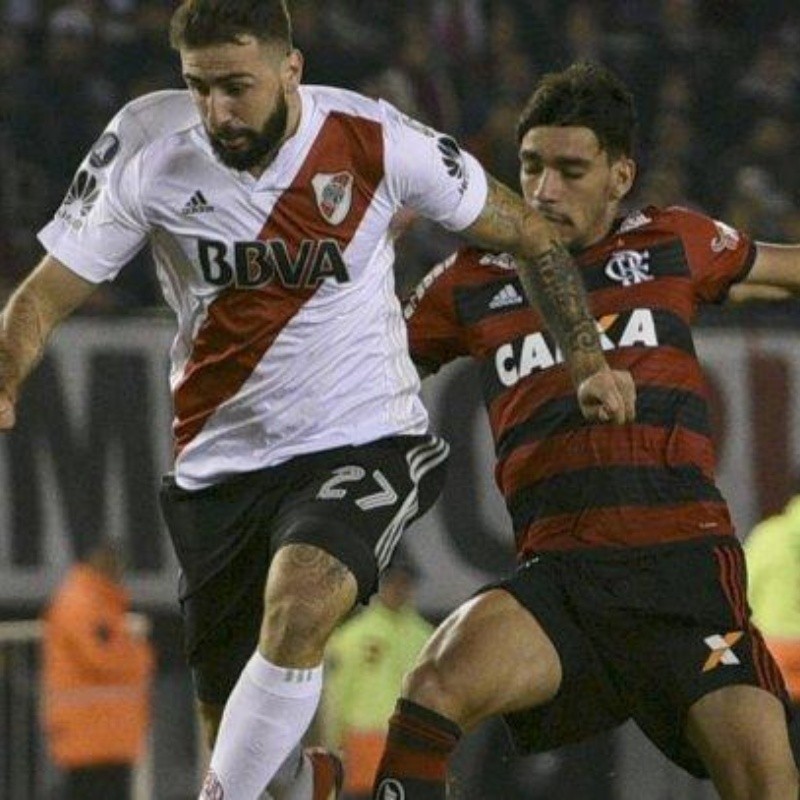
(552, 282)
(49, 294)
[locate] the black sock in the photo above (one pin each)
(415, 758)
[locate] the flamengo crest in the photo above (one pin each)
(629, 267)
(334, 193)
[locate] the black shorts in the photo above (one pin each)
(642, 633)
(353, 502)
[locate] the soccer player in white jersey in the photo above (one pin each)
(301, 445)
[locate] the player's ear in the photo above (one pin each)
(292, 70)
(623, 174)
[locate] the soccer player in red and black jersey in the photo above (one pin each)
(629, 599)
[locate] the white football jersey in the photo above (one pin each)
(290, 338)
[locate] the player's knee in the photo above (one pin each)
(308, 592)
(430, 686)
(294, 632)
(772, 783)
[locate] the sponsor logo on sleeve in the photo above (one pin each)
(104, 150)
(418, 126)
(453, 160)
(81, 197)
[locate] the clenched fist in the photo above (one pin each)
(608, 396)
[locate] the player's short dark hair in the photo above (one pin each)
(584, 95)
(200, 23)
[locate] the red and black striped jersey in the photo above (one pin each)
(569, 483)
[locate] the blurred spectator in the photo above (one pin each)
(69, 101)
(138, 54)
(96, 680)
(756, 203)
(583, 33)
(771, 85)
(431, 84)
(772, 551)
(366, 660)
(459, 30)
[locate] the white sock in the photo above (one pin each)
(295, 778)
(266, 715)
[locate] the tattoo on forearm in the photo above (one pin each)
(550, 278)
(552, 282)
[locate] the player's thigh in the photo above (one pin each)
(741, 734)
(356, 502)
(491, 656)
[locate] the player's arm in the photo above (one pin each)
(552, 282)
(775, 274)
(49, 294)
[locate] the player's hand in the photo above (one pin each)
(608, 396)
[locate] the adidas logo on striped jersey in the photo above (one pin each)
(197, 204)
(507, 296)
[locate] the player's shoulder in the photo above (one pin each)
(675, 219)
(152, 118)
(395, 123)
(693, 225)
(332, 99)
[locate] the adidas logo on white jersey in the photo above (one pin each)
(197, 204)
(507, 296)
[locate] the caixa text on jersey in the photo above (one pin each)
(261, 262)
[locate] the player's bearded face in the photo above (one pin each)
(243, 148)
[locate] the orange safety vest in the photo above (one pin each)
(96, 674)
(786, 653)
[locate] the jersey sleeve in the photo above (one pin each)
(718, 254)
(100, 225)
(430, 173)
(435, 336)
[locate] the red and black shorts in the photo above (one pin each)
(642, 634)
(352, 502)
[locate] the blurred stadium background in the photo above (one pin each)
(718, 87)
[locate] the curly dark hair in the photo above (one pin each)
(585, 95)
(199, 23)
